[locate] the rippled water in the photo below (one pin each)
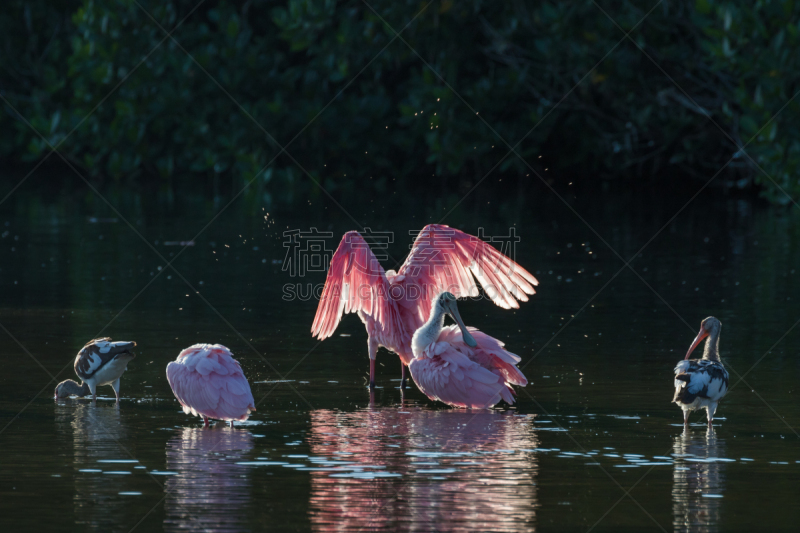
(592, 444)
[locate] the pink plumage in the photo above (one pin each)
(393, 305)
(209, 383)
(451, 371)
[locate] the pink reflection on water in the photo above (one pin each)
(211, 492)
(481, 480)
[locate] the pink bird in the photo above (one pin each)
(461, 367)
(394, 305)
(209, 383)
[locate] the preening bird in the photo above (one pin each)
(701, 383)
(394, 305)
(462, 366)
(209, 383)
(100, 362)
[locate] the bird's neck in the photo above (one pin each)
(428, 332)
(711, 350)
(71, 387)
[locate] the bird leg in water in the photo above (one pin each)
(115, 386)
(711, 409)
(373, 351)
(205, 421)
(402, 375)
(231, 423)
(686, 418)
(371, 374)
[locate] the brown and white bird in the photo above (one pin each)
(701, 383)
(100, 362)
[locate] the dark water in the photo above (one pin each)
(593, 444)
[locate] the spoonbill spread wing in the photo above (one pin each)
(446, 259)
(356, 283)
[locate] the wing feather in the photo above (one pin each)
(446, 259)
(356, 282)
(453, 378)
(207, 381)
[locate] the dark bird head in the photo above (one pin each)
(709, 326)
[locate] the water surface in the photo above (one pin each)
(598, 345)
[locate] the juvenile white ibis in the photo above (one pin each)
(701, 383)
(100, 362)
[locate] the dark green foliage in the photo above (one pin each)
(241, 78)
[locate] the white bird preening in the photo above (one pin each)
(701, 383)
(100, 362)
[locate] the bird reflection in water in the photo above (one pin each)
(458, 470)
(698, 481)
(102, 464)
(211, 492)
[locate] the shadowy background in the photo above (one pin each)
(179, 233)
(211, 108)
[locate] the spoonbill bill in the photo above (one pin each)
(701, 383)
(394, 305)
(208, 382)
(100, 362)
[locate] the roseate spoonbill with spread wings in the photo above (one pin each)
(393, 305)
(701, 383)
(100, 362)
(460, 367)
(209, 383)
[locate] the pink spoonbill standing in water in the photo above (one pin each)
(209, 383)
(394, 305)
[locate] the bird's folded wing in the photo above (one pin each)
(701, 378)
(446, 259)
(225, 396)
(356, 282)
(698, 381)
(453, 378)
(490, 353)
(97, 353)
(190, 390)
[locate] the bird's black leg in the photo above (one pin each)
(402, 375)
